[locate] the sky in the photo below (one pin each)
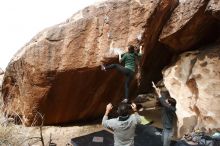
(23, 19)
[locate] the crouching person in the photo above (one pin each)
(124, 125)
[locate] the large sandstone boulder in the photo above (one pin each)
(58, 72)
(194, 81)
(189, 26)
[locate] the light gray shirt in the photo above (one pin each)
(124, 131)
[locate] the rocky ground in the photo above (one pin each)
(20, 135)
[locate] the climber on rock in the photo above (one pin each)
(128, 70)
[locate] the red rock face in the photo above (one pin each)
(156, 55)
(58, 72)
(189, 25)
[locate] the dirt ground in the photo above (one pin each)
(62, 135)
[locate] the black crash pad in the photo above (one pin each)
(100, 138)
(145, 136)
